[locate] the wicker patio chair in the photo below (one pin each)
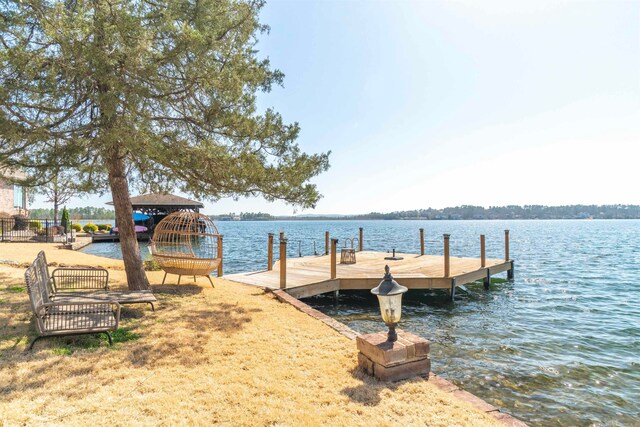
(72, 285)
(187, 244)
(57, 318)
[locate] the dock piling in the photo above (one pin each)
(487, 280)
(334, 244)
(483, 260)
(446, 256)
(360, 241)
(270, 252)
(220, 255)
(453, 289)
(283, 263)
(326, 243)
(421, 241)
(510, 272)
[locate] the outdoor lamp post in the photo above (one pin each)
(389, 294)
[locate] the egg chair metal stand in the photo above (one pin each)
(187, 244)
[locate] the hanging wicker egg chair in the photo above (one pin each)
(187, 244)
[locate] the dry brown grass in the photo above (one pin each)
(24, 254)
(231, 355)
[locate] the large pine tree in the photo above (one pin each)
(156, 95)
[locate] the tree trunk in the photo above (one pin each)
(133, 266)
(55, 199)
(55, 212)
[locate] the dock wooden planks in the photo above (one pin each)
(311, 275)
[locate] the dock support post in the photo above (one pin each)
(360, 240)
(334, 244)
(453, 289)
(510, 272)
(487, 280)
(421, 241)
(283, 263)
(506, 245)
(483, 260)
(220, 255)
(446, 255)
(326, 243)
(336, 294)
(270, 252)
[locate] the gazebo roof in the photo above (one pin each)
(163, 201)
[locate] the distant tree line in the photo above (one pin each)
(470, 212)
(88, 212)
(452, 213)
(517, 212)
(244, 216)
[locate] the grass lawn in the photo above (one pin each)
(232, 355)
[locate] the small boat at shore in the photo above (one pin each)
(138, 228)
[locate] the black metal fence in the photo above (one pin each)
(33, 230)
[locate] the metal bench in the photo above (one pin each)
(75, 284)
(57, 318)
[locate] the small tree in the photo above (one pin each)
(65, 219)
(158, 95)
(58, 186)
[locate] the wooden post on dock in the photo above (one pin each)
(270, 253)
(506, 245)
(446, 256)
(506, 254)
(220, 255)
(360, 240)
(334, 244)
(326, 243)
(283, 263)
(422, 241)
(483, 260)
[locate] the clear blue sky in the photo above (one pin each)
(434, 103)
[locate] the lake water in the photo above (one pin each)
(559, 345)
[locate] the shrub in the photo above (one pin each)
(55, 230)
(152, 265)
(104, 227)
(77, 227)
(90, 228)
(21, 223)
(35, 225)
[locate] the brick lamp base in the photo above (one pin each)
(405, 358)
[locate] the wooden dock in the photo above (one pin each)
(107, 237)
(311, 275)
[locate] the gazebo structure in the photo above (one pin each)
(162, 204)
(159, 205)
